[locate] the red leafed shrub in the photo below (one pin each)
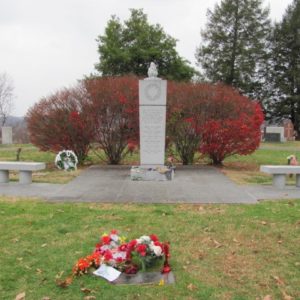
(232, 125)
(115, 114)
(184, 117)
(213, 118)
(60, 121)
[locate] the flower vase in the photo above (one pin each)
(143, 265)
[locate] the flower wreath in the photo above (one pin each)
(66, 160)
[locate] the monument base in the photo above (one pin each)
(163, 173)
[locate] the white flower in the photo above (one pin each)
(157, 250)
(119, 254)
(145, 239)
(104, 247)
(114, 237)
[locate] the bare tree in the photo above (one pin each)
(6, 97)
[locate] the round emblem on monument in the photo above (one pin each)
(152, 91)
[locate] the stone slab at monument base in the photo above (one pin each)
(160, 173)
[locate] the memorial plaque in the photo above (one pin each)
(152, 135)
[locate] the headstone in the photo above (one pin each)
(272, 137)
(7, 135)
(152, 109)
(276, 129)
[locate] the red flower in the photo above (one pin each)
(123, 247)
(108, 255)
(106, 240)
(94, 258)
(141, 249)
(166, 269)
(119, 259)
(154, 237)
(82, 264)
(114, 231)
(132, 244)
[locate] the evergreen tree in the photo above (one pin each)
(130, 47)
(285, 97)
(233, 48)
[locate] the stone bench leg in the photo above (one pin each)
(4, 176)
(279, 180)
(297, 180)
(25, 177)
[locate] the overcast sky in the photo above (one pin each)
(49, 44)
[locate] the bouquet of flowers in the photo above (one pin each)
(147, 250)
(112, 250)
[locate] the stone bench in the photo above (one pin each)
(25, 169)
(279, 173)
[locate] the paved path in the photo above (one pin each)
(192, 184)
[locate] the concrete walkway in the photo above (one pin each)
(192, 184)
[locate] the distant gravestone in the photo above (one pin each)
(273, 131)
(272, 137)
(152, 109)
(6, 135)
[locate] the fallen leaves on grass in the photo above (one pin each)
(217, 244)
(278, 280)
(86, 290)
(21, 296)
(58, 275)
(285, 296)
(191, 287)
(89, 298)
(64, 283)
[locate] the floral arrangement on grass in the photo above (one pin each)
(112, 250)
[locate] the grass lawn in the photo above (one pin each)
(217, 251)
